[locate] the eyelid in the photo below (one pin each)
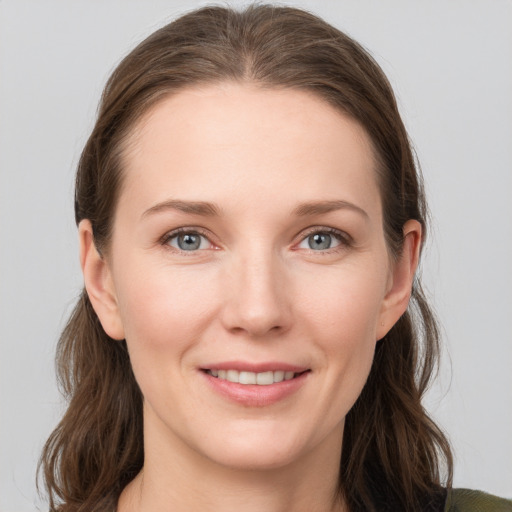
(342, 236)
(164, 240)
(345, 239)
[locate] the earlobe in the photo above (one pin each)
(397, 297)
(98, 283)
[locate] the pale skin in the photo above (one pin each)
(280, 257)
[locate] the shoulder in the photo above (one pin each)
(467, 500)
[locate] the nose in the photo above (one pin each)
(257, 296)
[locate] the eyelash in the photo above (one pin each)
(343, 238)
(184, 231)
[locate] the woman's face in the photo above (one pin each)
(248, 272)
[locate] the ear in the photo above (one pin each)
(98, 283)
(401, 279)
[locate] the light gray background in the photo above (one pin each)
(451, 65)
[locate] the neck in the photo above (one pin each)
(175, 478)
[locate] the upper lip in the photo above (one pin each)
(246, 366)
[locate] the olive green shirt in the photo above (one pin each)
(466, 500)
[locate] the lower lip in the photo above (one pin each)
(252, 395)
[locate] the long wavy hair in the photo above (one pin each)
(391, 449)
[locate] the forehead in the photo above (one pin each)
(240, 142)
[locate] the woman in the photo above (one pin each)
(251, 333)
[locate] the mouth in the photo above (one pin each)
(266, 378)
(255, 384)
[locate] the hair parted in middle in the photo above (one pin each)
(391, 447)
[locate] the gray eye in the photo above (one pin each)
(319, 241)
(188, 241)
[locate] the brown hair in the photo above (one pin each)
(391, 448)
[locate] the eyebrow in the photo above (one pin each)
(321, 207)
(194, 207)
(207, 209)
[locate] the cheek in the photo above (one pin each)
(164, 314)
(344, 303)
(164, 309)
(342, 311)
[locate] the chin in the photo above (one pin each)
(250, 450)
(261, 458)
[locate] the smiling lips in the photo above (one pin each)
(255, 385)
(244, 377)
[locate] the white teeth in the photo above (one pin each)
(265, 378)
(279, 376)
(247, 378)
(232, 375)
(262, 378)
